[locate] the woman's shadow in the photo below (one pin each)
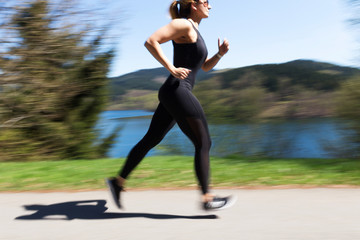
(91, 210)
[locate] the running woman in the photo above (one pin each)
(177, 103)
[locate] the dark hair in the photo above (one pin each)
(181, 8)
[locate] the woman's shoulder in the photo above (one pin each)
(181, 23)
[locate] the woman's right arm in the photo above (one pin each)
(174, 30)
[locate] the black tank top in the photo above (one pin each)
(191, 56)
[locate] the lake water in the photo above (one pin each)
(315, 138)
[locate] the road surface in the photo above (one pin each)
(289, 214)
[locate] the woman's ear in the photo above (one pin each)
(193, 6)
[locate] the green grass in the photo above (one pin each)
(177, 172)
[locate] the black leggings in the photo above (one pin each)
(177, 105)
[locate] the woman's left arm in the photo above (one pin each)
(211, 62)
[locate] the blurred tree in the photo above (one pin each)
(52, 83)
(243, 102)
(348, 107)
(348, 98)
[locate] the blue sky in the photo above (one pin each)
(259, 32)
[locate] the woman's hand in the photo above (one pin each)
(211, 62)
(180, 72)
(224, 47)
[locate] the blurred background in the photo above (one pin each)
(77, 83)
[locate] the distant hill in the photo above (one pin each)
(310, 74)
(290, 88)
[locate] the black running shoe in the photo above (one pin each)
(219, 203)
(115, 190)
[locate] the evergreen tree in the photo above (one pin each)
(52, 89)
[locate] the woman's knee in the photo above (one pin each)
(204, 145)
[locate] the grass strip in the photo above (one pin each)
(177, 172)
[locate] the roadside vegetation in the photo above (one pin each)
(54, 58)
(177, 172)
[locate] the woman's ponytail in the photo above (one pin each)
(180, 8)
(174, 10)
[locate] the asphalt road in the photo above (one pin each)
(290, 214)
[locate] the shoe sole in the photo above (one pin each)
(112, 192)
(230, 203)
